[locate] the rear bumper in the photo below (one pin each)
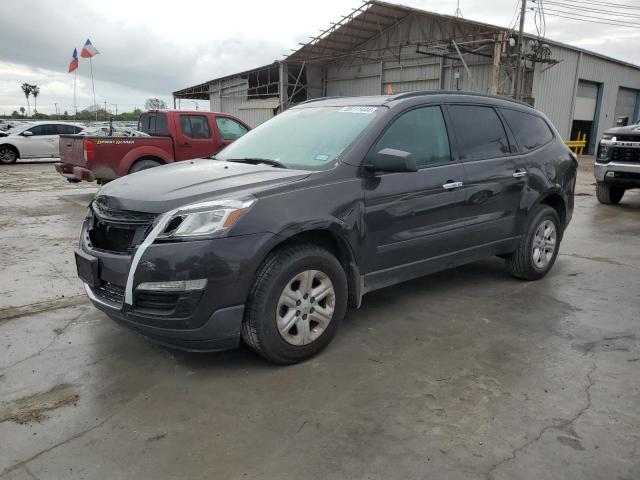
(623, 174)
(74, 172)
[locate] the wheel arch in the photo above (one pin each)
(556, 201)
(12, 147)
(146, 157)
(334, 242)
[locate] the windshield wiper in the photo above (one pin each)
(255, 161)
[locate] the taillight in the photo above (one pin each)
(89, 152)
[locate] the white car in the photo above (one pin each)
(34, 140)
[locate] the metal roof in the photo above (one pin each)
(373, 17)
(362, 25)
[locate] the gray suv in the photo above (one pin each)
(271, 241)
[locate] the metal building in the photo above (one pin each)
(383, 48)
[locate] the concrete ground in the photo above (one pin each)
(465, 374)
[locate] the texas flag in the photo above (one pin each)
(74, 60)
(88, 50)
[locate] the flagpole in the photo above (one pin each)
(93, 87)
(75, 106)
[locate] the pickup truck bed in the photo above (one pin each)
(106, 158)
(175, 135)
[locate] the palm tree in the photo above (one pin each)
(22, 111)
(26, 88)
(35, 91)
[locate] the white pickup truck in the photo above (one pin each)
(34, 140)
(617, 166)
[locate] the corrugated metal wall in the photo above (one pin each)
(409, 70)
(554, 88)
(230, 96)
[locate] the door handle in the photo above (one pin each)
(519, 173)
(186, 144)
(450, 185)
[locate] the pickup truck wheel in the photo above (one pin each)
(538, 247)
(608, 194)
(8, 155)
(296, 304)
(143, 165)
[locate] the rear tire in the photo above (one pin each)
(8, 155)
(280, 322)
(607, 194)
(143, 165)
(538, 247)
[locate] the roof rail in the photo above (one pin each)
(402, 96)
(318, 99)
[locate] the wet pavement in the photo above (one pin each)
(465, 374)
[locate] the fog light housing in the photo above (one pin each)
(173, 286)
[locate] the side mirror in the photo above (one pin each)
(390, 160)
(27, 133)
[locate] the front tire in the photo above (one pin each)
(8, 155)
(538, 247)
(608, 194)
(296, 304)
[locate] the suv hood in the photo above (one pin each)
(161, 189)
(628, 130)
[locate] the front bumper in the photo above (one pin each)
(200, 320)
(623, 174)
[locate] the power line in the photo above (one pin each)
(589, 17)
(594, 10)
(602, 4)
(593, 21)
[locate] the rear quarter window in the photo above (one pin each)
(530, 131)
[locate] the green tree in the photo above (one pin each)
(26, 88)
(22, 111)
(155, 104)
(35, 91)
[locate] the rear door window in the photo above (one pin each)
(421, 132)
(195, 126)
(479, 132)
(153, 123)
(230, 129)
(530, 131)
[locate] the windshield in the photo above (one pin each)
(303, 138)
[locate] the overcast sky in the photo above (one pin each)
(151, 48)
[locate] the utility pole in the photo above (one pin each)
(115, 105)
(516, 86)
(56, 106)
(105, 110)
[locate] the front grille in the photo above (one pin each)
(110, 292)
(628, 138)
(622, 154)
(122, 216)
(118, 231)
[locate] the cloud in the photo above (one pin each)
(151, 48)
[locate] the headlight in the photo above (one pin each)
(606, 136)
(604, 153)
(204, 218)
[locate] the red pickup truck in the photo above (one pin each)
(174, 135)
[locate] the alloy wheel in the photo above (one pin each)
(544, 244)
(305, 307)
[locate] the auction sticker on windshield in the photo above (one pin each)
(358, 109)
